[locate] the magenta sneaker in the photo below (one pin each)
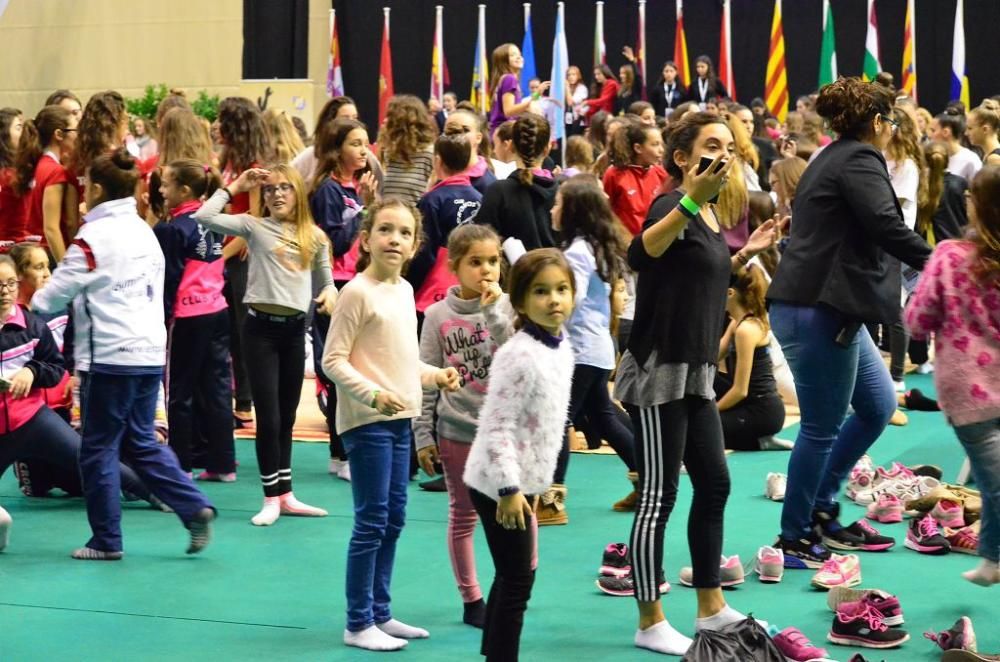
(949, 514)
(860, 624)
(963, 541)
(615, 561)
(960, 636)
(796, 646)
(212, 477)
(886, 605)
(871, 539)
(887, 510)
(924, 536)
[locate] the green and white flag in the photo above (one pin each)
(871, 66)
(828, 50)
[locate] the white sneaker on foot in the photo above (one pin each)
(662, 638)
(373, 639)
(774, 487)
(269, 512)
(401, 630)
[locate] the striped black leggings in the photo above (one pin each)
(687, 430)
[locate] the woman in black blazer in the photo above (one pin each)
(706, 85)
(668, 92)
(834, 276)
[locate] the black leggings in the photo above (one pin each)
(687, 430)
(511, 550)
(751, 419)
(276, 373)
(328, 404)
(234, 289)
(48, 451)
(199, 395)
(590, 396)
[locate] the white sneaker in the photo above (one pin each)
(774, 487)
(344, 473)
(770, 564)
(335, 466)
(900, 386)
(925, 368)
(860, 484)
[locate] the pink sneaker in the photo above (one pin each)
(963, 541)
(213, 477)
(949, 513)
(838, 571)
(887, 509)
(796, 646)
(895, 472)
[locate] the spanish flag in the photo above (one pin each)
(910, 52)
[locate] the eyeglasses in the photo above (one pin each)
(893, 123)
(271, 189)
(8, 286)
(68, 130)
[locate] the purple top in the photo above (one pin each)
(508, 83)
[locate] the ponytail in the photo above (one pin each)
(36, 135)
(751, 291)
(202, 179)
(936, 158)
(531, 137)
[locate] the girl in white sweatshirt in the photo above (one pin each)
(520, 432)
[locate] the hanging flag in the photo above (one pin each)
(681, 49)
(439, 67)
(726, 51)
(600, 53)
(640, 47)
(560, 62)
(384, 71)
(527, 50)
(334, 77)
(959, 81)
(910, 51)
(828, 49)
(480, 95)
(776, 88)
(871, 66)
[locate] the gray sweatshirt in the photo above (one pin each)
(459, 333)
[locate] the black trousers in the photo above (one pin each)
(328, 404)
(751, 419)
(508, 598)
(234, 290)
(590, 396)
(685, 430)
(198, 391)
(276, 373)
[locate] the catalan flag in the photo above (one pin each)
(910, 51)
(681, 48)
(776, 87)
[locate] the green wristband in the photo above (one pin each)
(690, 205)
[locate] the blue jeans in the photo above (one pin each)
(828, 378)
(379, 457)
(118, 413)
(982, 443)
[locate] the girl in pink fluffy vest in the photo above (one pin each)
(958, 300)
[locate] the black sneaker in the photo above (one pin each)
(832, 532)
(434, 485)
(859, 624)
(924, 536)
(615, 562)
(625, 586)
(872, 539)
(803, 554)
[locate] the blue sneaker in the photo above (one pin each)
(803, 554)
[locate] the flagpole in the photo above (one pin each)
(527, 14)
(484, 83)
(329, 68)
(641, 46)
(599, 49)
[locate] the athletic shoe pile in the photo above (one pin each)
(616, 572)
(838, 571)
(862, 624)
(885, 603)
(924, 536)
(883, 488)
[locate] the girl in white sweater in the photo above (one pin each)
(520, 432)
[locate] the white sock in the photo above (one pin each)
(5, 523)
(292, 506)
(662, 638)
(986, 573)
(717, 621)
(269, 513)
(373, 639)
(395, 628)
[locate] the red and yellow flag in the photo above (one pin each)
(776, 88)
(681, 49)
(910, 52)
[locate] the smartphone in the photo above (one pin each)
(704, 164)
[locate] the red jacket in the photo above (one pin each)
(606, 101)
(631, 191)
(26, 342)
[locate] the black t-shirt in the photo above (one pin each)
(680, 296)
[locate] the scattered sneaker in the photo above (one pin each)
(625, 586)
(774, 487)
(959, 636)
(949, 514)
(213, 477)
(838, 571)
(963, 541)
(872, 539)
(887, 510)
(434, 485)
(924, 536)
(802, 554)
(859, 485)
(730, 573)
(968, 656)
(885, 603)
(770, 565)
(550, 508)
(834, 534)
(796, 647)
(860, 624)
(615, 562)
(932, 470)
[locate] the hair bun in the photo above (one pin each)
(122, 159)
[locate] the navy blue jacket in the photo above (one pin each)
(450, 203)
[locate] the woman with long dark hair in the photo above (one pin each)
(706, 86)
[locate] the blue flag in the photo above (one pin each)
(528, 52)
(560, 62)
